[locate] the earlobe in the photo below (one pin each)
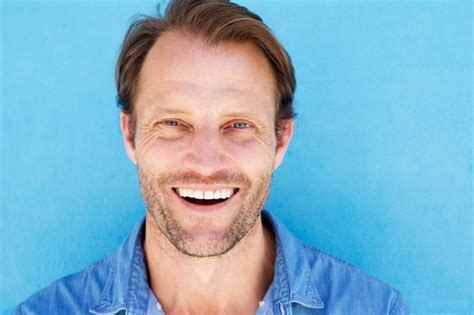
(283, 141)
(127, 136)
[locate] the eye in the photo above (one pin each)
(171, 122)
(171, 129)
(172, 125)
(240, 125)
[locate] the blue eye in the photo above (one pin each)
(171, 122)
(240, 125)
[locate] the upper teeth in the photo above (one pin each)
(206, 194)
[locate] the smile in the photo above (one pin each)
(205, 197)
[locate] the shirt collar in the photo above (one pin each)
(127, 284)
(293, 277)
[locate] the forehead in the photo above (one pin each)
(180, 68)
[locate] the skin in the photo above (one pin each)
(205, 120)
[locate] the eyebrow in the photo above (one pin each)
(236, 113)
(173, 111)
(245, 113)
(184, 112)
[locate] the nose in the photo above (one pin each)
(207, 153)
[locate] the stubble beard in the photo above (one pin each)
(167, 221)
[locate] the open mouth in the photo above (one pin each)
(205, 197)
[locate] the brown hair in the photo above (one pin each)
(215, 22)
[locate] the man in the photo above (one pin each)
(206, 95)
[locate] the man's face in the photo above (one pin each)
(205, 144)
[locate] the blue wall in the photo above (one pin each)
(379, 172)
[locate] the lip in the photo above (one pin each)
(205, 208)
(204, 188)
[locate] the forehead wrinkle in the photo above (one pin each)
(238, 71)
(173, 94)
(229, 91)
(199, 90)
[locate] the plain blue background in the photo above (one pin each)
(379, 172)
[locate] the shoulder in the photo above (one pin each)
(73, 294)
(347, 289)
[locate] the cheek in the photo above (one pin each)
(257, 155)
(156, 153)
(252, 155)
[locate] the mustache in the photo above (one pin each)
(189, 177)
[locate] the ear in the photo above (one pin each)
(283, 140)
(127, 136)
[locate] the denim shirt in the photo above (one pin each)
(306, 281)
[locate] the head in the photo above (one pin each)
(206, 95)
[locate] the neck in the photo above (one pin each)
(235, 281)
